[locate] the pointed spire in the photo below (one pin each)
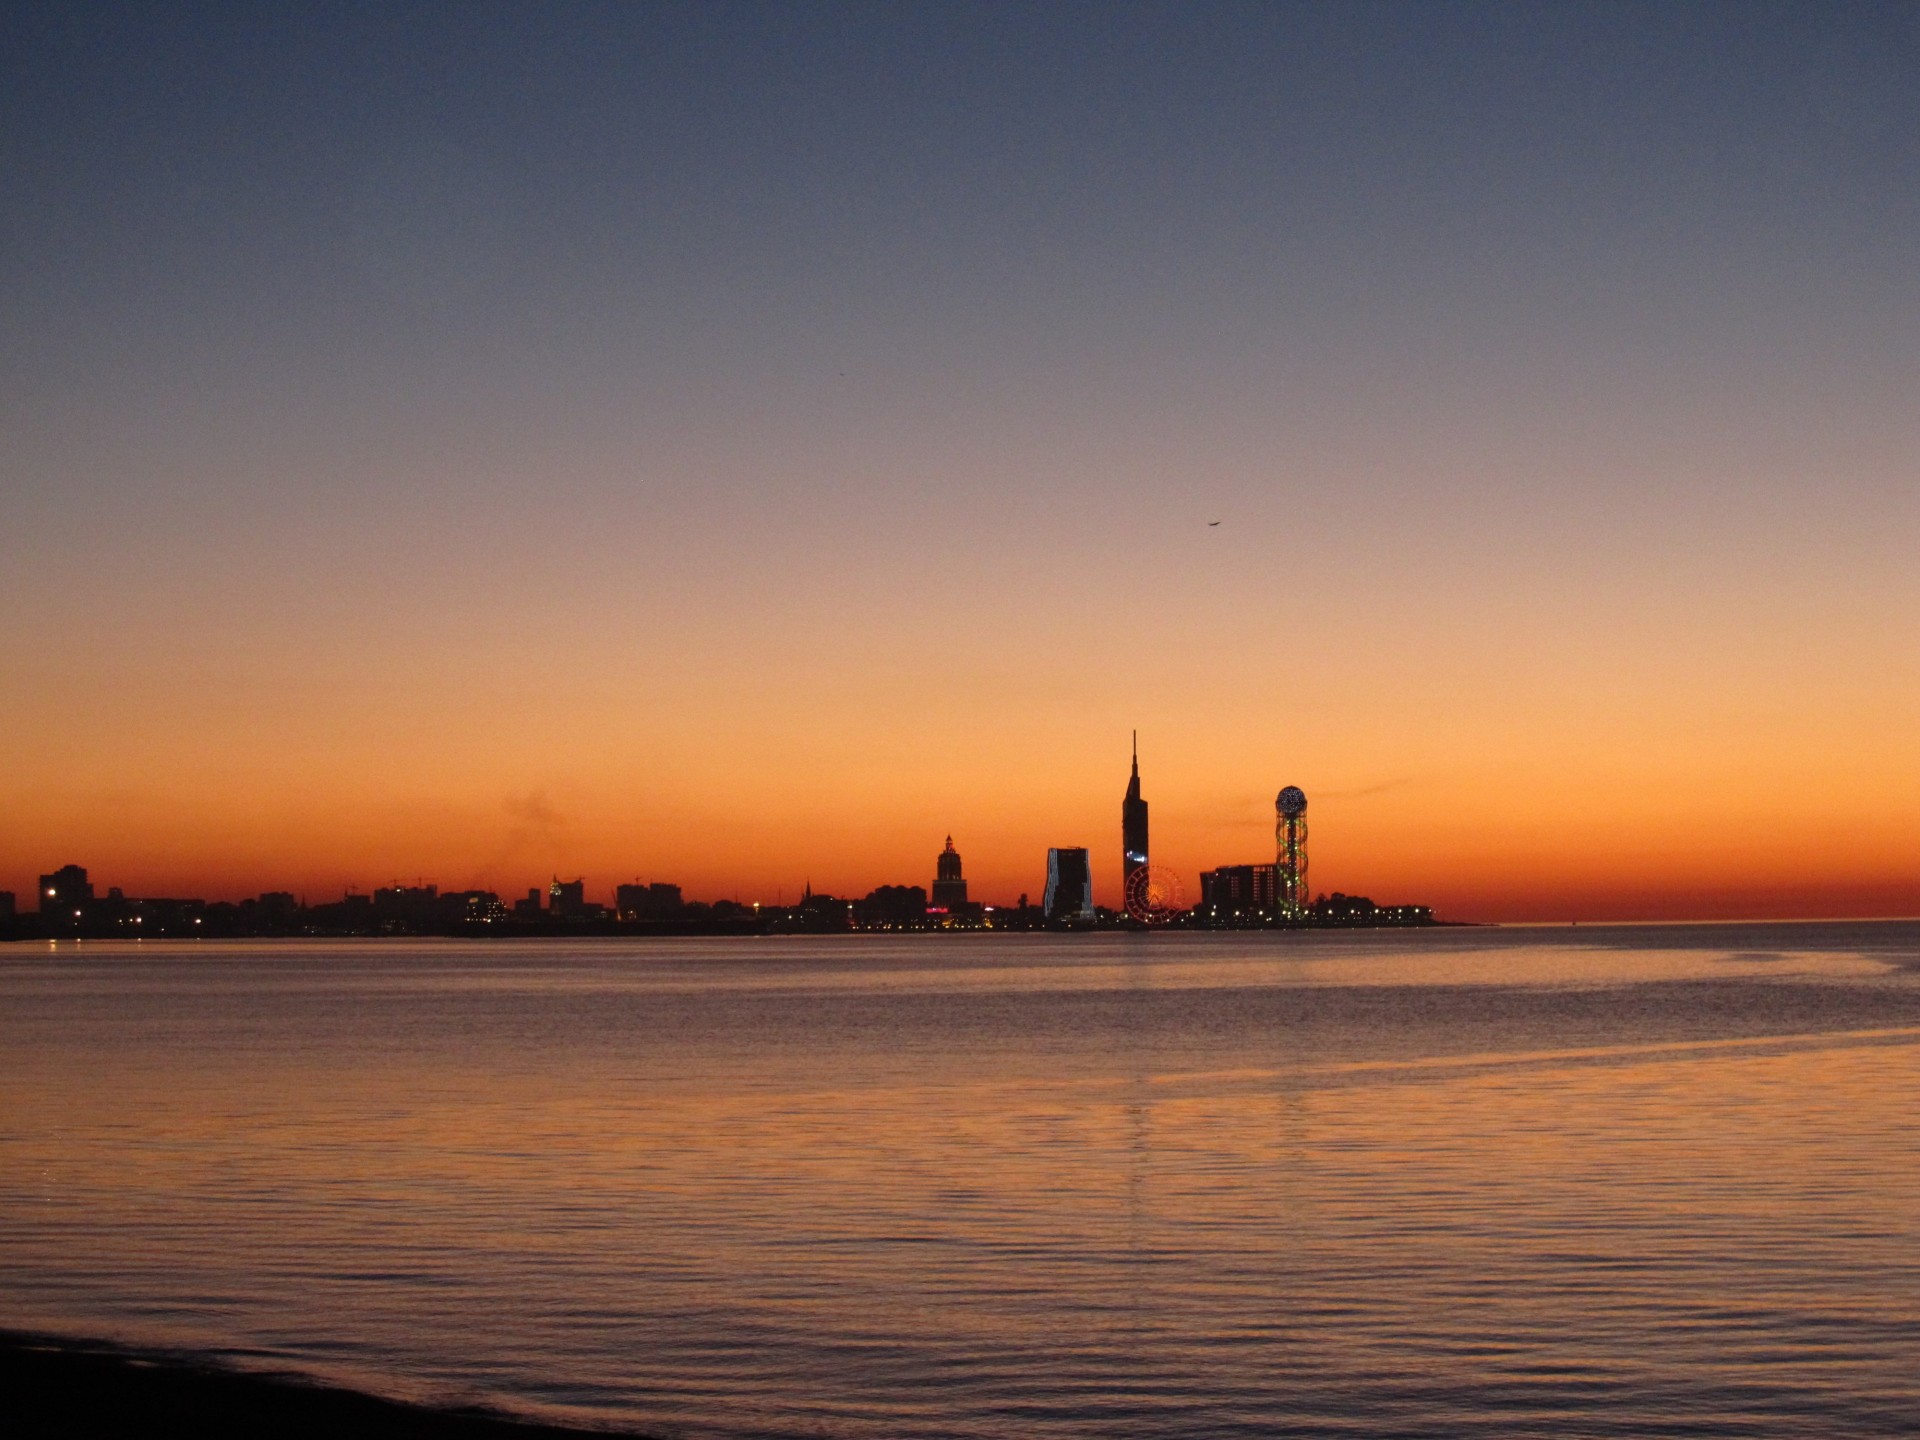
(1136, 754)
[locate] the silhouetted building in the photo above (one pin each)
(529, 908)
(567, 899)
(949, 886)
(350, 915)
(1069, 894)
(820, 912)
(1237, 892)
(111, 914)
(892, 907)
(170, 918)
(470, 907)
(1133, 829)
(6, 907)
(647, 902)
(276, 912)
(407, 907)
(66, 893)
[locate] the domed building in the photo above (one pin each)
(949, 885)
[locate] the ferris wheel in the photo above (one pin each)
(1154, 895)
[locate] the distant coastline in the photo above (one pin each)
(780, 923)
(1255, 896)
(67, 908)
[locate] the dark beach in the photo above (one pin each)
(57, 1387)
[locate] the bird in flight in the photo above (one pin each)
(1212, 523)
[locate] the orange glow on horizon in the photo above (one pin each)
(719, 456)
(1545, 845)
(1487, 717)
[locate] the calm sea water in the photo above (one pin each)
(1588, 1182)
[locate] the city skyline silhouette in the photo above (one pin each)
(756, 438)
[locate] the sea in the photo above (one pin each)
(1593, 1181)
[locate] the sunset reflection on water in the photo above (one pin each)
(1487, 1182)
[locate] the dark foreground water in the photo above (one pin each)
(1591, 1182)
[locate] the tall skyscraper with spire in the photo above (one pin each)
(1133, 827)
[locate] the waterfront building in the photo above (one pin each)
(645, 902)
(1290, 851)
(818, 911)
(406, 907)
(1237, 892)
(66, 892)
(279, 905)
(157, 918)
(949, 885)
(471, 907)
(1069, 894)
(567, 898)
(1133, 830)
(892, 907)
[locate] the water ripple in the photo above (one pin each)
(1610, 1183)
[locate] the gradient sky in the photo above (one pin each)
(742, 444)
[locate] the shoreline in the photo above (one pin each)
(61, 1386)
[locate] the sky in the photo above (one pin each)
(742, 445)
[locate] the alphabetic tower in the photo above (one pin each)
(1290, 852)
